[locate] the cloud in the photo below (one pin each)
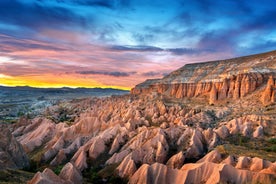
(106, 4)
(36, 16)
(154, 73)
(113, 73)
(139, 48)
(187, 51)
(145, 48)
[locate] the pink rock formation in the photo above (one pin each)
(127, 167)
(214, 156)
(44, 130)
(269, 93)
(47, 176)
(176, 161)
(205, 171)
(213, 95)
(197, 148)
(70, 173)
(12, 155)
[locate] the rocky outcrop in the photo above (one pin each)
(127, 168)
(213, 95)
(12, 155)
(209, 169)
(235, 86)
(47, 176)
(176, 161)
(68, 175)
(269, 94)
(36, 134)
(232, 78)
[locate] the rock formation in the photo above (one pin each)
(269, 94)
(12, 155)
(233, 78)
(208, 170)
(68, 175)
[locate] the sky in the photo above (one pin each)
(120, 43)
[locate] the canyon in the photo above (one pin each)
(211, 122)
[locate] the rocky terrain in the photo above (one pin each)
(18, 101)
(211, 122)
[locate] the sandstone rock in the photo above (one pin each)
(268, 95)
(47, 176)
(127, 168)
(35, 138)
(205, 172)
(59, 159)
(223, 92)
(213, 95)
(118, 157)
(258, 164)
(70, 173)
(259, 132)
(12, 155)
(176, 161)
(197, 145)
(230, 160)
(79, 159)
(214, 156)
(97, 147)
(243, 163)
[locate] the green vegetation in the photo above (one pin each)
(35, 160)
(14, 176)
(272, 140)
(98, 175)
(57, 169)
(243, 146)
(9, 120)
(238, 139)
(271, 147)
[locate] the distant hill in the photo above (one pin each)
(64, 90)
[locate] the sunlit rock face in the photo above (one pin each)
(145, 135)
(68, 175)
(227, 79)
(210, 169)
(269, 94)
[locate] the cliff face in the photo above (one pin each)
(269, 94)
(233, 78)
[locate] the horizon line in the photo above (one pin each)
(71, 87)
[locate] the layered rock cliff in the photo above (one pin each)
(218, 80)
